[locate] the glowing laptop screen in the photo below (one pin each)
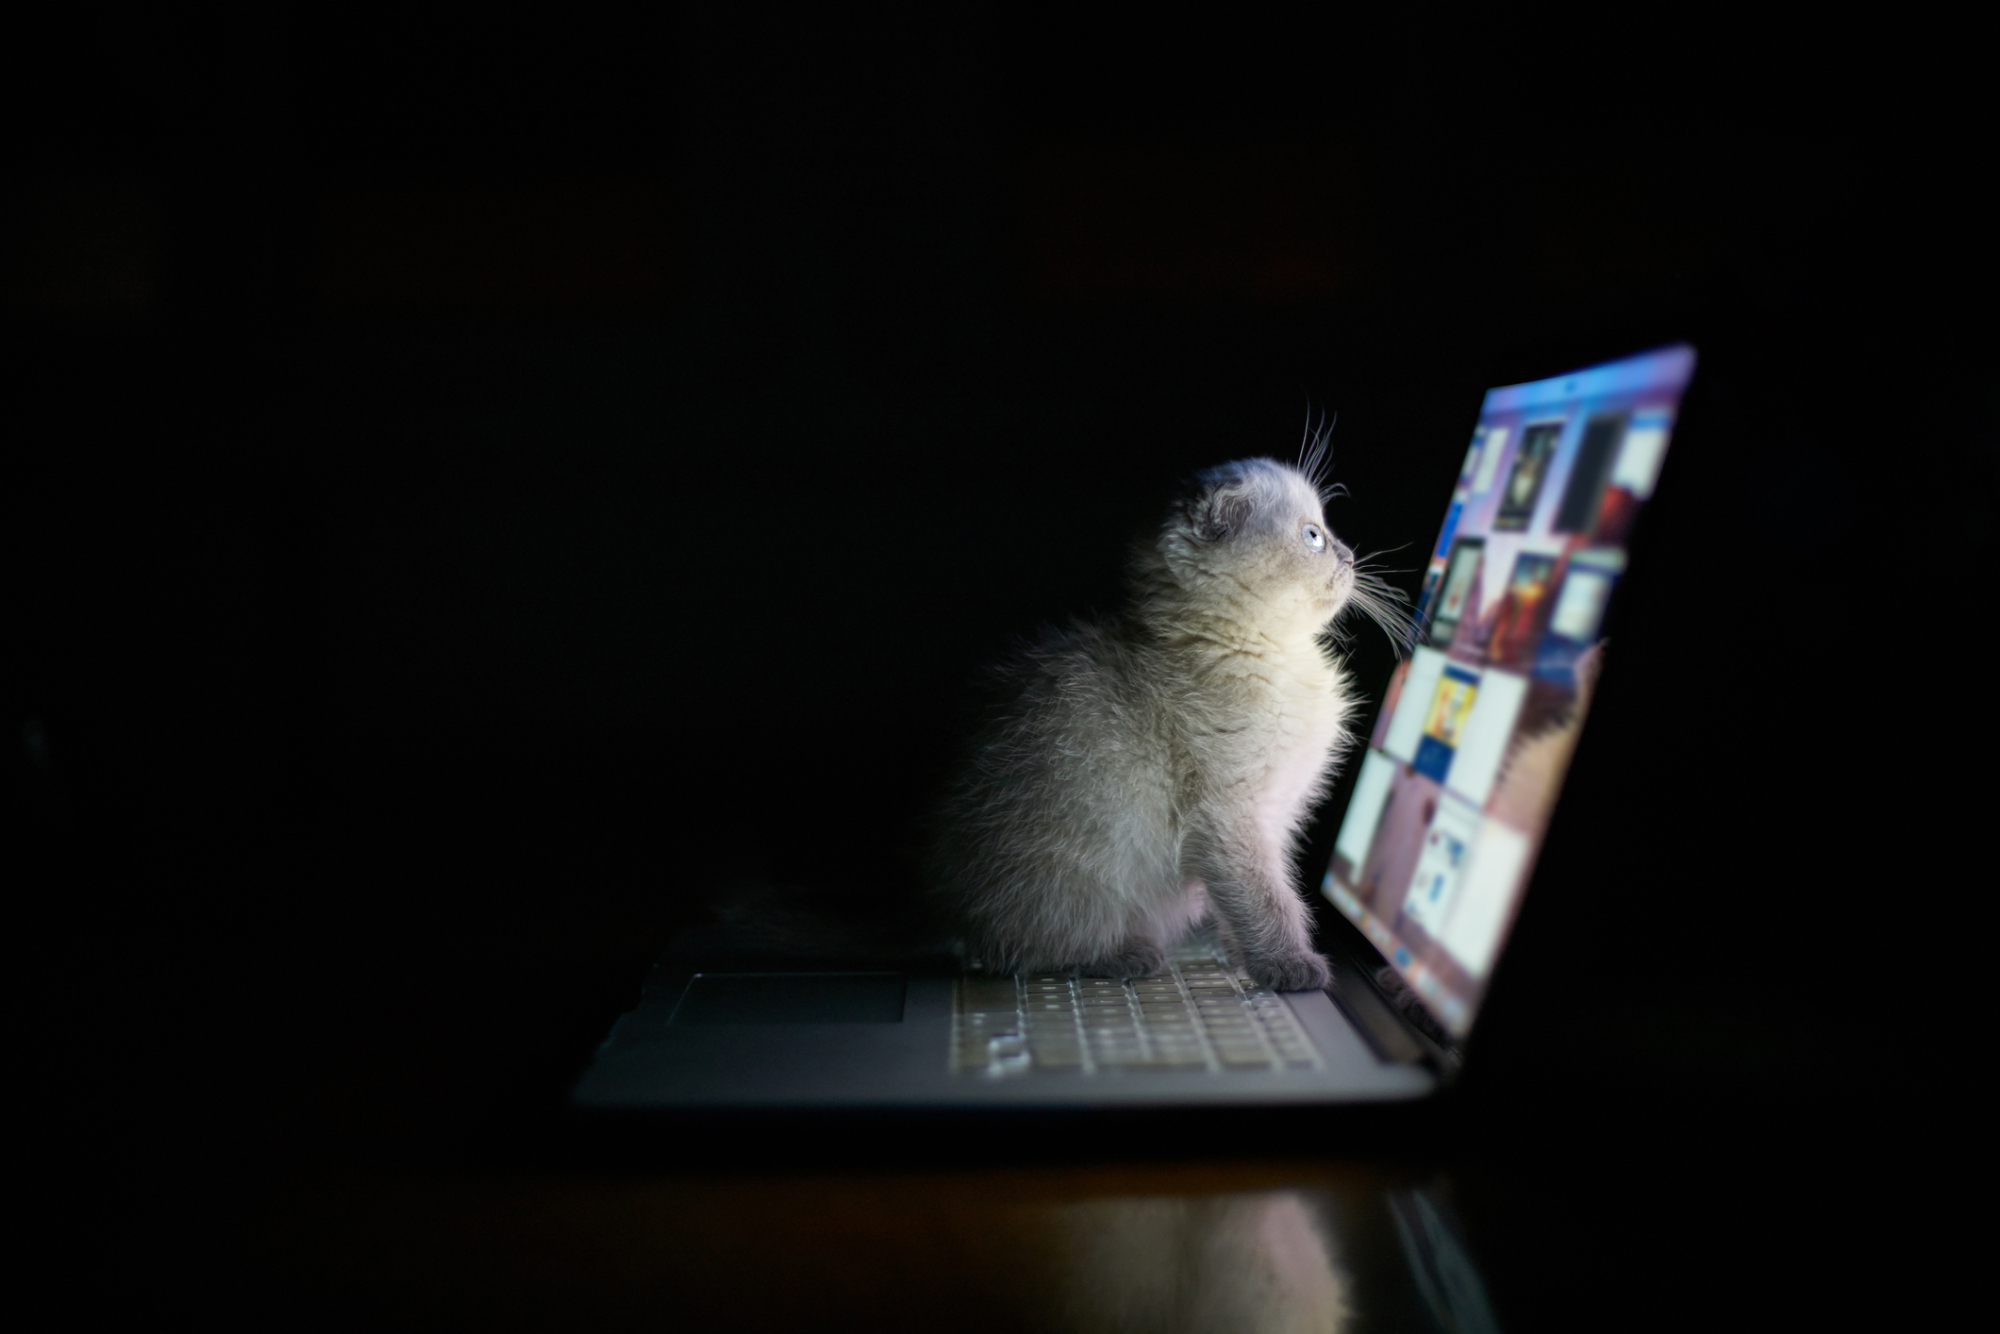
(1462, 772)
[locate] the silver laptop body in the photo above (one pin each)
(1451, 802)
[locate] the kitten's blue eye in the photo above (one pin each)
(1315, 539)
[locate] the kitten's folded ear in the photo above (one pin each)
(1219, 504)
(1213, 506)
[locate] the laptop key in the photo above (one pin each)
(1072, 1059)
(987, 994)
(1194, 1015)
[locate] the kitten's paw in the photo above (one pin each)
(1137, 958)
(1305, 971)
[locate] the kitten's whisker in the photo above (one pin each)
(1309, 445)
(1388, 607)
(1315, 447)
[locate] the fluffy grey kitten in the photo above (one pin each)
(1155, 771)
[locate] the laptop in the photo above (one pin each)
(1450, 805)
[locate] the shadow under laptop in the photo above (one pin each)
(965, 1139)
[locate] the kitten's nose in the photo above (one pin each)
(1342, 552)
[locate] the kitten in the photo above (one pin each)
(1154, 771)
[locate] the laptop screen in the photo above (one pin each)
(1462, 771)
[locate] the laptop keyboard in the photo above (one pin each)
(1197, 1015)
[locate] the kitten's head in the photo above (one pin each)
(1251, 538)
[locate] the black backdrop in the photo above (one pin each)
(474, 488)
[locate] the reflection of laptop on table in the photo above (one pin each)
(1452, 799)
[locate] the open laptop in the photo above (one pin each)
(1453, 797)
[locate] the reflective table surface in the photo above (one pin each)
(1316, 1221)
(405, 1158)
(1302, 1246)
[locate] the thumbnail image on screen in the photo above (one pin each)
(1461, 773)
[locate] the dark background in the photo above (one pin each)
(473, 488)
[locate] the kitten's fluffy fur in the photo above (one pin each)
(1157, 770)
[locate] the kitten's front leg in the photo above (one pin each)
(1265, 920)
(1137, 957)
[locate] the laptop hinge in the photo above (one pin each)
(1394, 1038)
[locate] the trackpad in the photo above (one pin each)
(792, 998)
